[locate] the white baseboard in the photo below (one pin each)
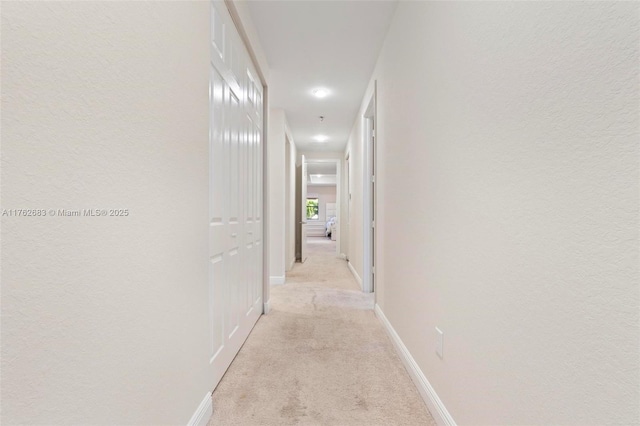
(355, 274)
(266, 307)
(435, 405)
(274, 280)
(293, 262)
(203, 413)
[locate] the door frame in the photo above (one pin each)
(344, 244)
(237, 19)
(237, 126)
(302, 206)
(369, 211)
(337, 162)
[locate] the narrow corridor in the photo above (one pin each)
(321, 357)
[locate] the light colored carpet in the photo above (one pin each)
(321, 357)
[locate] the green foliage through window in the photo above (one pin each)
(312, 208)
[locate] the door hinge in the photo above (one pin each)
(373, 223)
(373, 179)
(373, 269)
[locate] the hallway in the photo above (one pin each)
(319, 357)
(477, 163)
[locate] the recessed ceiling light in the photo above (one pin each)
(320, 138)
(320, 93)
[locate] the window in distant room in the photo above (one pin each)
(312, 208)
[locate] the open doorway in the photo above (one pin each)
(319, 207)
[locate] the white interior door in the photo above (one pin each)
(369, 194)
(345, 241)
(235, 210)
(303, 215)
(373, 202)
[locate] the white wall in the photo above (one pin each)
(279, 190)
(354, 231)
(508, 171)
(105, 105)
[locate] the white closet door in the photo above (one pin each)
(235, 161)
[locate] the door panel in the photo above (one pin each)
(235, 163)
(217, 34)
(256, 147)
(218, 221)
(373, 202)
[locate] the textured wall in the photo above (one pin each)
(105, 105)
(509, 147)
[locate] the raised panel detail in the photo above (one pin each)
(257, 135)
(235, 186)
(218, 149)
(233, 159)
(217, 32)
(216, 300)
(250, 89)
(250, 164)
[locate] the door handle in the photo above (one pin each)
(303, 223)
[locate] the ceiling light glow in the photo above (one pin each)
(320, 138)
(320, 93)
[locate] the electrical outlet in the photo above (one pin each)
(439, 341)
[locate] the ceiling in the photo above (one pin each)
(320, 44)
(321, 168)
(322, 173)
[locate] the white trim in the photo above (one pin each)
(338, 185)
(244, 25)
(241, 18)
(266, 219)
(266, 308)
(203, 413)
(368, 117)
(434, 403)
(293, 261)
(338, 236)
(277, 280)
(355, 274)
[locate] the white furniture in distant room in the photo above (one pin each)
(330, 228)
